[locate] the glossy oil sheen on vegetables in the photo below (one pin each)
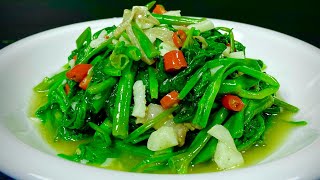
(274, 136)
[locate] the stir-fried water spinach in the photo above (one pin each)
(175, 91)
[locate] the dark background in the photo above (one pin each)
(21, 18)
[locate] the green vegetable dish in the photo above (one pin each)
(160, 93)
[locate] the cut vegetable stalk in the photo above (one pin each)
(150, 4)
(180, 163)
(208, 151)
(102, 86)
(145, 43)
(121, 114)
(84, 37)
(153, 83)
(206, 102)
(48, 82)
(176, 20)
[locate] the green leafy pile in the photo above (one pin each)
(102, 111)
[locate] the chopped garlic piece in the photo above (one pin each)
(96, 42)
(237, 55)
(72, 62)
(108, 162)
(152, 111)
(226, 52)
(100, 39)
(181, 132)
(205, 25)
(84, 161)
(177, 27)
(139, 97)
(162, 138)
(173, 13)
(103, 34)
(226, 156)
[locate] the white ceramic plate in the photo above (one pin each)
(24, 155)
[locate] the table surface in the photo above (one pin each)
(4, 177)
(21, 18)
